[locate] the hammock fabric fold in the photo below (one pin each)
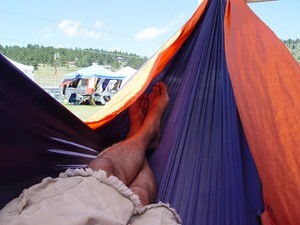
(267, 93)
(229, 149)
(39, 137)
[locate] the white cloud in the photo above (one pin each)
(151, 33)
(74, 29)
(69, 27)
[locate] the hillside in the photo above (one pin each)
(36, 55)
(46, 59)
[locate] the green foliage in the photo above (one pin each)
(294, 47)
(36, 54)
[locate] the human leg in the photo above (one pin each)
(106, 161)
(144, 185)
(126, 159)
(112, 202)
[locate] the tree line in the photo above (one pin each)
(35, 55)
(294, 47)
(292, 44)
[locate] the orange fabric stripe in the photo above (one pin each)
(137, 85)
(266, 84)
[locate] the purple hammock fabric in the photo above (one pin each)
(39, 137)
(210, 176)
(203, 165)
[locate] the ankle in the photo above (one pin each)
(142, 194)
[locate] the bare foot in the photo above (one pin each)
(158, 102)
(137, 113)
(158, 99)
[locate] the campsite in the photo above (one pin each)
(52, 85)
(51, 80)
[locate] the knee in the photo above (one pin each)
(102, 163)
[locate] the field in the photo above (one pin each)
(83, 112)
(45, 75)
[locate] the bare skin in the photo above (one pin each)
(137, 113)
(126, 160)
(144, 185)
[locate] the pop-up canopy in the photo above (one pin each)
(93, 71)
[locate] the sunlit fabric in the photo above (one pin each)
(231, 134)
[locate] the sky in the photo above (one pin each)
(131, 26)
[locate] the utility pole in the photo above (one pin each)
(56, 56)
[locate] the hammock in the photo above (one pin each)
(230, 134)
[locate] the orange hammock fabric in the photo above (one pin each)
(265, 79)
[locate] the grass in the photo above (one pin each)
(83, 112)
(45, 75)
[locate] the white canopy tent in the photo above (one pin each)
(27, 70)
(100, 82)
(128, 72)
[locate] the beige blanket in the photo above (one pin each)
(83, 196)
